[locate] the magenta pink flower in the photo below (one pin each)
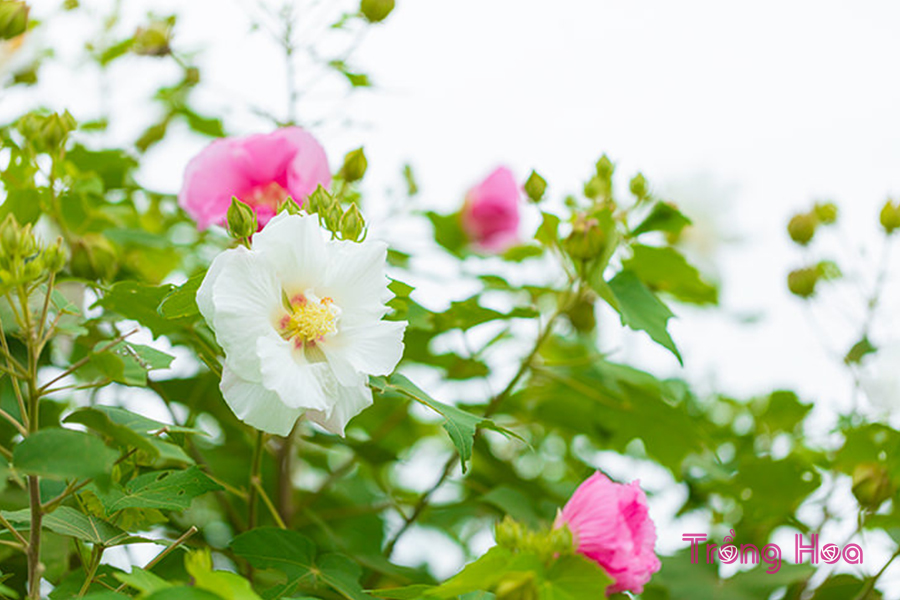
(261, 170)
(612, 527)
(490, 216)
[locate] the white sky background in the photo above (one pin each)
(746, 112)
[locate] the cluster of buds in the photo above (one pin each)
(47, 132)
(802, 226)
(348, 223)
(802, 282)
(600, 185)
(23, 259)
(587, 240)
(547, 545)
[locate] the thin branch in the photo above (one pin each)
(14, 531)
(85, 360)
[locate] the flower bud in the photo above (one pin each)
(352, 224)
(871, 485)
(319, 200)
(890, 216)
(508, 533)
(802, 227)
(535, 187)
(13, 19)
(94, 258)
(826, 212)
(376, 11)
(802, 282)
(289, 206)
(54, 257)
(10, 236)
(355, 165)
(241, 220)
(582, 316)
(587, 239)
(56, 129)
(638, 186)
(605, 167)
(154, 39)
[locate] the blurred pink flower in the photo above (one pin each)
(261, 170)
(612, 527)
(490, 216)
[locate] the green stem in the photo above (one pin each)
(96, 555)
(255, 479)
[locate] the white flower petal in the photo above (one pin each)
(374, 349)
(247, 299)
(294, 245)
(297, 384)
(255, 405)
(349, 402)
(205, 292)
(356, 280)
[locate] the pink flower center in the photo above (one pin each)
(310, 319)
(269, 195)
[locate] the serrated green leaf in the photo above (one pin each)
(666, 270)
(228, 586)
(143, 581)
(68, 521)
(663, 216)
(641, 310)
(574, 578)
(63, 454)
(182, 301)
(100, 422)
(165, 490)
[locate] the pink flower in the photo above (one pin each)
(611, 526)
(261, 170)
(490, 216)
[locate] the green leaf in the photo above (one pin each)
(68, 521)
(143, 581)
(665, 217)
(459, 424)
(641, 310)
(294, 555)
(63, 454)
(666, 270)
(448, 232)
(548, 232)
(100, 422)
(228, 586)
(141, 423)
(140, 301)
(182, 301)
(165, 490)
(574, 578)
(128, 363)
(183, 593)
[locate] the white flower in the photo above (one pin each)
(300, 320)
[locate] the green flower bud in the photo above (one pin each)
(535, 187)
(10, 236)
(93, 258)
(871, 485)
(890, 216)
(605, 167)
(33, 269)
(352, 224)
(320, 199)
(826, 212)
(582, 316)
(13, 19)
(289, 206)
(508, 533)
(192, 76)
(638, 186)
(54, 257)
(56, 129)
(376, 11)
(241, 220)
(802, 282)
(355, 165)
(802, 227)
(154, 39)
(594, 188)
(587, 240)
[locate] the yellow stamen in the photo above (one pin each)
(309, 321)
